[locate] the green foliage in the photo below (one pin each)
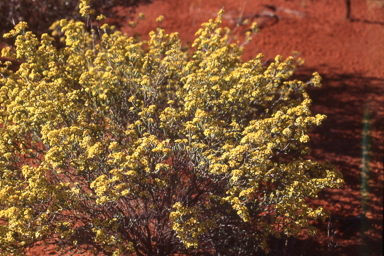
(119, 146)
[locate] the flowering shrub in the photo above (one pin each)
(118, 146)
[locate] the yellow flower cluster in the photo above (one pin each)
(132, 136)
(85, 8)
(187, 226)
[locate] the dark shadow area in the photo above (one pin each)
(343, 98)
(41, 14)
(336, 230)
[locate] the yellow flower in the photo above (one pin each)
(101, 17)
(304, 138)
(160, 19)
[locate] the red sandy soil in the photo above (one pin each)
(349, 55)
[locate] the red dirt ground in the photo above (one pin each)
(349, 55)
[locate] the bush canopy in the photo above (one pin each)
(120, 146)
